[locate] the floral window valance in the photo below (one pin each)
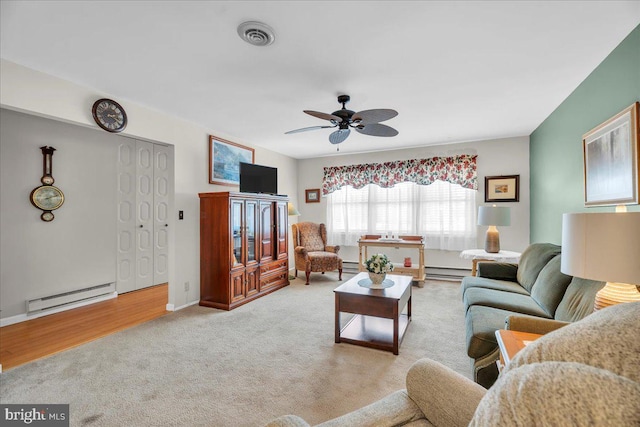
(456, 170)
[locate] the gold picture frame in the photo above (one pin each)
(503, 188)
(224, 160)
(611, 156)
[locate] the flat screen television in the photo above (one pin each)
(258, 179)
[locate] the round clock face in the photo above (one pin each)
(47, 198)
(109, 115)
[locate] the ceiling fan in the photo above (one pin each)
(366, 122)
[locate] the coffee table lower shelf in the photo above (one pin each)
(373, 332)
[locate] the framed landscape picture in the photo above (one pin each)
(611, 157)
(312, 196)
(503, 188)
(224, 160)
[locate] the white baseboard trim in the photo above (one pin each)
(431, 272)
(24, 317)
(172, 307)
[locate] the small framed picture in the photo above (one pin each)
(312, 196)
(503, 188)
(611, 158)
(224, 160)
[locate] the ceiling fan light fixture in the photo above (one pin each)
(256, 33)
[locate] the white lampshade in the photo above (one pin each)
(494, 215)
(604, 247)
(292, 210)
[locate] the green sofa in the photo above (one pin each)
(585, 374)
(534, 288)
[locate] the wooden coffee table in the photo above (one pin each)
(379, 321)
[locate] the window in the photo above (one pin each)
(444, 213)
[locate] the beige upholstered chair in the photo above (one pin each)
(311, 251)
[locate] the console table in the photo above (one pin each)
(398, 268)
(477, 255)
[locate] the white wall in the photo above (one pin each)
(509, 156)
(39, 94)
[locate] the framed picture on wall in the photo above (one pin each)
(611, 160)
(503, 188)
(312, 196)
(224, 160)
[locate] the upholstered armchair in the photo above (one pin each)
(311, 251)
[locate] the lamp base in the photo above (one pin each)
(614, 293)
(492, 241)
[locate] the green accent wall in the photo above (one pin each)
(556, 160)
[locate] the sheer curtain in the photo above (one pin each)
(444, 213)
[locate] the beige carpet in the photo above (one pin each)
(207, 367)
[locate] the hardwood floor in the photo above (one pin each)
(27, 341)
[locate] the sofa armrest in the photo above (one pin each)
(445, 397)
(534, 325)
(288, 421)
(334, 249)
(498, 270)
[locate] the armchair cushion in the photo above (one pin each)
(311, 236)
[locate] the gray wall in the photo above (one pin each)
(78, 248)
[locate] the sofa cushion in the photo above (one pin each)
(500, 285)
(550, 286)
(481, 326)
(533, 260)
(604, 339)
(510, 301)
(560, 394)
(578, 299)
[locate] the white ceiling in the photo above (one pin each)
(455, 71)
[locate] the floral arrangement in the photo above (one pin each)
(379, 264)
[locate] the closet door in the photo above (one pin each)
(126, 242)
(144, 214)
(162, 188)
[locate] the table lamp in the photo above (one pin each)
(493, 216)
(292, 210)
(604, 247)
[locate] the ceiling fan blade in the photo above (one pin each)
(376, 129)
(374, 116)
(324, 116)
(309, 128)
(339, 136)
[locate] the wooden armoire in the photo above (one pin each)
(244, 252)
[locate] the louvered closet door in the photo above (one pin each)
(144, 214)
(162, 173)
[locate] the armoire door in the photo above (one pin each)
(281, 232)
(266, 231)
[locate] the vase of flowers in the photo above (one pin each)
(378, 266)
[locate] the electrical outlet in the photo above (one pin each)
(186, 286)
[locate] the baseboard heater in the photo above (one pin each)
(436, 273)
(68, 298)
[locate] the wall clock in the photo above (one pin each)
(47, 197)
(109, 115)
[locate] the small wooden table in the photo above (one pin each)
(379, 321)
(511, 342)
(416, 272)
(477, 255)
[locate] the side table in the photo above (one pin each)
(510, 343)
(477, 255)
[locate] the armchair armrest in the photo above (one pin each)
(333, 249)
(301, 250)
(498, 270)
(534, 325)
(445, 397)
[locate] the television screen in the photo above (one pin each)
(258, 179)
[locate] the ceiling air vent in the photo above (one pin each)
(256, 33)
